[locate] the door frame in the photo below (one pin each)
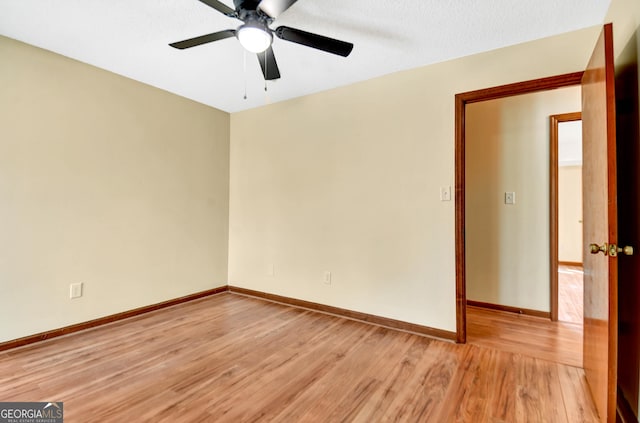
(461, 100)
(554, 120)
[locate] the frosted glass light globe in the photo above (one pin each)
(254, 39)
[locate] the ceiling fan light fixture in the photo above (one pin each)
(254, 37)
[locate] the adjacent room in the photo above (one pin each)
(318, 211)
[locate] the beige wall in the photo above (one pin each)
(507, 150)
(103, 181)
(570, 214)
(348, 181)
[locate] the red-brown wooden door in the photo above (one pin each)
(600, 226)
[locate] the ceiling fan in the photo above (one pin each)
(256, 36)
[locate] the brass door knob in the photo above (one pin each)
(614, 250)
(595, 248)
(627, 250)
(610, 249)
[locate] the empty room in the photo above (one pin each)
(318, 211)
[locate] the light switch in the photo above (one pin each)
(75, 290)
(445, 193)
(509, 197)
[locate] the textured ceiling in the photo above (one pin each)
(130, 38)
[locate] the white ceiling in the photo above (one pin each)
(131, 37)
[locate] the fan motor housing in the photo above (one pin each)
(246, 4)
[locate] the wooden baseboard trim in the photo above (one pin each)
(354, 315)
(570, 263)
(509, 309)
(38, 337)
(349, 314)
(624, 411)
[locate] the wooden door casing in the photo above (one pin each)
(554, 121)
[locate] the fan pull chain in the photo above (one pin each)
(244, 59)
(265, 71)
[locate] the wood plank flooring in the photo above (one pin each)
(229, 358)
(537, 337)
(570, 294)
(533, 336)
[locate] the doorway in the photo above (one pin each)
(507, 222)
(462, 100)
(566, 273)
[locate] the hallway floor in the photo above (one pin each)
(560, 342)
(570, 294)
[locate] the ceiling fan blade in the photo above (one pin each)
(220, 7)
(320, 42)
(204, 39)
(269, 65)
(273, 8)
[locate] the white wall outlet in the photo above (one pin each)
(75, 290)
(327, 277)
(271, 270)
(445, 193)
(509, 197)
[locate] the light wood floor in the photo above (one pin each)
(570, 294)
(537, 337)
(230, 358)
(560, 341)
